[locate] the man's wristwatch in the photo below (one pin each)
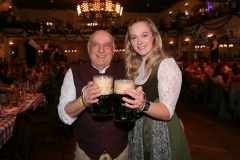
(146, 106)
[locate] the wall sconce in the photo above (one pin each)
(187, 41)
(119, 50)
(11, 44)
(170, 13)
(49, 23)
(70, 50)
(203, 10)
(92, 24)
(171, 43)
(225, 45)
(199, 46)
(209, 35)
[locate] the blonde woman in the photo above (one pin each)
(157, 133)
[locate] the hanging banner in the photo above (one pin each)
(232, 34)
(202, 35)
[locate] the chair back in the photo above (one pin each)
(21, 136)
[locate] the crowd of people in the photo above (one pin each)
(212, 83)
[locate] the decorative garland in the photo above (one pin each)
(17, 29)
(224, 21)
(192, 31)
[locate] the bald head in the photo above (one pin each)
(102, 33)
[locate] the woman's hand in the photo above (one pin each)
(138, 96)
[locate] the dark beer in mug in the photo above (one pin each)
(105, 101)
(121, 112)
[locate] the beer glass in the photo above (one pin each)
(4, 100)
(121, 112)
(13, 100)
(105, 101)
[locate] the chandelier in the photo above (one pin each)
(99, 11)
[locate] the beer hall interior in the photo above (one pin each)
(33, 130)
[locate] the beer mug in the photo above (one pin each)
(105, 101)
(121, 112)
(4, 100)
(13, 100)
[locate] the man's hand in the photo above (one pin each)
(91, 92)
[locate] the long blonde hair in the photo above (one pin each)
(133, 59)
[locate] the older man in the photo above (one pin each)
(96, 139)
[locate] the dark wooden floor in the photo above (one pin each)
(209, 138)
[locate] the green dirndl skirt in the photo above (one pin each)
(178, 140)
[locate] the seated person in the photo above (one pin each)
(219, 76)
(191, 83)
(3, 77)
(195, 67)
(235, 73)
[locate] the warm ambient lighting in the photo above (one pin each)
(200, 46)
(92, 24)
(98, 10)
(209, 35)
(187, 41)
(225, 45)
(70, 50)
(171, 44)
(49, 23)
(119, 50)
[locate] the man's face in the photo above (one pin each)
(101, 48)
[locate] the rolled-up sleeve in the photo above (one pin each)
(68, 94)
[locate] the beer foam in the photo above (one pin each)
(105, 83)
(121, 85)
(106, 89)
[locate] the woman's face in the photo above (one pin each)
(141, 38)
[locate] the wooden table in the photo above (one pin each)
(5, 88)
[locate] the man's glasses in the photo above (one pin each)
(104, 45)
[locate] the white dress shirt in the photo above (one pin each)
(68, 94)
(33, 44)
